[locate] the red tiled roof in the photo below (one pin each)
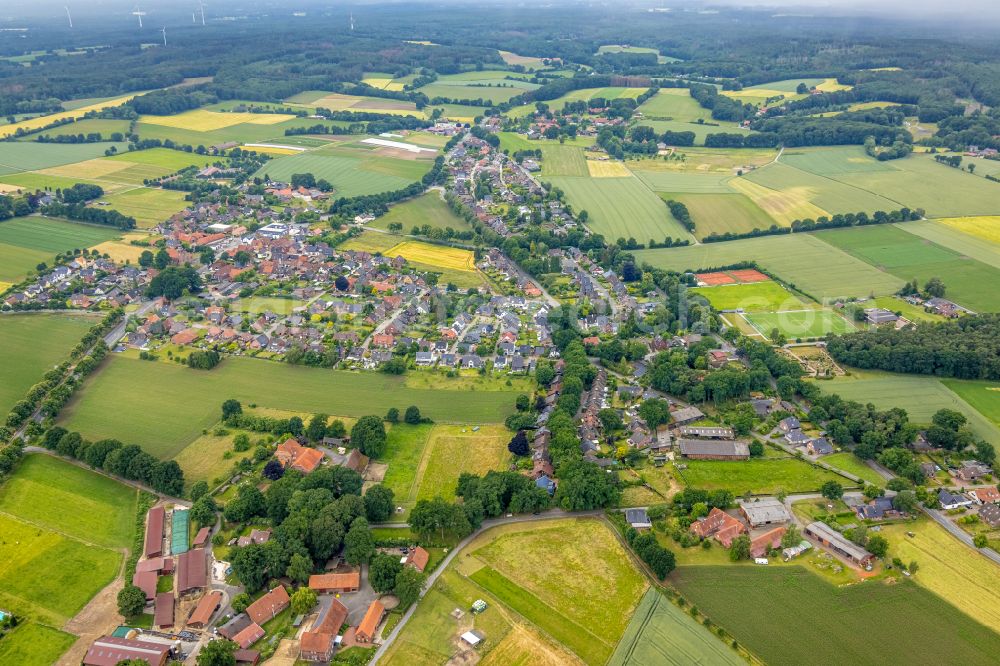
(163, 615)
(108, 651)
(268, 605)
(206, 607)
(146, 581)
(343, 581)
(370, 622)
(418, 557)
(192, 570)
(249, 636)
(154, 532)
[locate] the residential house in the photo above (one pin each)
(987, 495)
(335, 582)
(951, 501)
(638, 519)
(369, 623)
(292, 454)
(417, 558)
(761, 544)
(268, 606)
(720, 525)
(318, 644)
(879, 508)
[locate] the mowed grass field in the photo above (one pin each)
(852, 464)
(948, 568)
(63, 528)
(621, 208)
(42, 121)
(813, 323)
(149, 418)
(673, 104)
(149, 207)
(662, 633)
(974, 237)
(16, 156)
(425, 461)
(919, 395)
(908, 256)
(427, 209)
(570, 578)
(757, 475)
(867, 623)
(32, 643)
(766, 296)
(30, 345)
(802, 260)
(722, 213)
(982, 395)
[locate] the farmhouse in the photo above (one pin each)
(720, 525)
(249, 636)
(789, 424)
(108, 651)
(972, 471)
(319, 643)
(292, 454)
(703, 449)
(765, 511)
(146, 581)
(269, 605)
(769, 540)
(879, 508)
(333, 583)
(202, 613)
(154, 532)
(687, 415)
(369, 623)
(951, 501)
(819, 447)
(417, 558)
(833, 540)
(879, 316)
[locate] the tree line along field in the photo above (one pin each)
(804, 261)
(427, 209)
(18, 156)
(30, 345)
(567, 583)
(787, 615)
(64, 530)
(920, 396)
(908, 256)
(662, 633)
(187, 401)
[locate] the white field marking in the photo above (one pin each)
(273, 145)
(399, 144)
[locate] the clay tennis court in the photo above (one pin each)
(714, 279)
(749, 275)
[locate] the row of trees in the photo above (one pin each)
(838, 221)
(83, 213)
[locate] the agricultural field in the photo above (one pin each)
(382, 81)
(31, 344)
(851, 464)
(974, 237)
(54, 559)
(149, 207)
(86, 126)
(722, 213)
(243, 132)
(563, 160)
(948, 568)
(529, 62)
(662, 178)
(452, 264)
(581, 597)
(701, 130)
(338, 102)
(876, 623)
(673, 104)
(205, 459)
(920, 396)
(909, 256)
(585, 94)
(27, 241)
(427, 209)
(790, 193)
(766, 296)
(802, 260)
(353, 169)
(704, 161)
(982, 395)
(16, 156)
(492, 85)
(621, 208)
(150, 419)
(607, 169)
(814, 323)
(662, 633)
(757, 475)
(42, 121)
(203, 120)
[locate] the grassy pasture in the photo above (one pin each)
(875, 623)
(984, 396)
(148, 206)
(563, 160)
(72, 501)
(371, 241)
(453, 450)
(530, 62)
(52, 235)
(974, 237)
(701, 130)
(920, 396)
(948, 568)
(756, 297)
(86, 126)
(909, 256)
(31, 344)
(30, 181)
(722, 213)
(174, 160)
(42, 121)
(340, 102)
(581, 596)
(427, 209)
(802, 260)
(828, 161)
(32, 643)
(850, 463)
(18, 156)
(662, 633)
(673, 104)
(621, 208)
(758, 475)
(801, 323)
(149, 418)
(827, 193)
(704, 161)
(662, 180)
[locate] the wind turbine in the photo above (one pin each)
(69, 17)
(201, 6)
(164, 31)
(352, 21)
(140, 14)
